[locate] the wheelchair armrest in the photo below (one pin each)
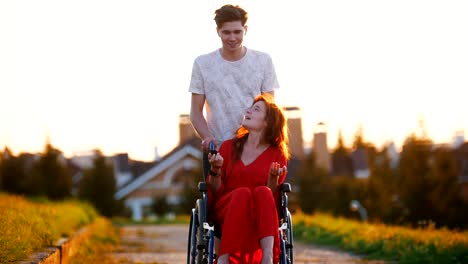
(202, 187)
(286, 187)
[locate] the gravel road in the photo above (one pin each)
(167, 244)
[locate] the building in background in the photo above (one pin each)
(122, 171)
(320, 147)
(165, 177)
(296, 141)
(186, 130)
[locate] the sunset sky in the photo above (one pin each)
(114, 75)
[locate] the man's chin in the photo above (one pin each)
(232, 49)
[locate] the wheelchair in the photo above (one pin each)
(200, 244)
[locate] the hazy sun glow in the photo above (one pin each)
(114, 75)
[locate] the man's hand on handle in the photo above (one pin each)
(205, 144)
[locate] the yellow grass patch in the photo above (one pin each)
(28, 226)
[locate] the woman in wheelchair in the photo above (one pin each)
(244, 180)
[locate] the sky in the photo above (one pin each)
(114, 75)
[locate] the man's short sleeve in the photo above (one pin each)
(270, 82)
(196, 82)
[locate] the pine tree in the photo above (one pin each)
(381, 198)
(98, 186)
(342, 164)
(9, 171)
(52, 172)
(18, 175)
(414, 179)
(312, 187)
(445, 195)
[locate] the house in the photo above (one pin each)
(165, 178)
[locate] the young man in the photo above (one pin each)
(227, 80)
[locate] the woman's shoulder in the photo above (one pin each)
(226, 148)
(227, 143)
(277, 152)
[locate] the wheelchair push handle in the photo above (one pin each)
(213, 148)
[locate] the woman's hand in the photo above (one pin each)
(275, 172)
(216, 161)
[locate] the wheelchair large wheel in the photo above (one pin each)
(201, 239)
(192, 238)
(289, 239)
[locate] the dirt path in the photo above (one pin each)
(167, 244)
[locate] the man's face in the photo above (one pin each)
(232, 35)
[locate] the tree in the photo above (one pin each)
(1, 169)
(98, 186)
(381, 197)
(358, 140)
(51, 170)
(190, 191)
(11, 172)
(160, 206)
(8, 171)
(414, 178)
(312, 186)
(342, 164)
(445, 195)
(343, 190)
(19, 175)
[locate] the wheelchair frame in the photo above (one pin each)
(200, 244)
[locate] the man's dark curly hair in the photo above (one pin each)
(230, 13)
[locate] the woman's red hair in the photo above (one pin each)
(275, 134)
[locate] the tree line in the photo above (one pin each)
(422, 189)
(48, 176)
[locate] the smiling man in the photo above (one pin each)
(227, 80)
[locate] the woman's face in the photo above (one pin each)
(254, 118)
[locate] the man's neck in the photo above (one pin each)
(233, 55)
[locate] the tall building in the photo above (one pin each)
(320, 147)
(186, 130)
(296, 142)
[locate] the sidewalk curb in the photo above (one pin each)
(62, 252)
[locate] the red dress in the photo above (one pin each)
(244, 207)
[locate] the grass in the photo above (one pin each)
(104, 240)
(27, 225)
(379, 241)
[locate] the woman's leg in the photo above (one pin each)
(266, 221)
(236, 222)
(224, 259)
(267, 249)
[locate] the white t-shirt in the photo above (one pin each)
(230, 88)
